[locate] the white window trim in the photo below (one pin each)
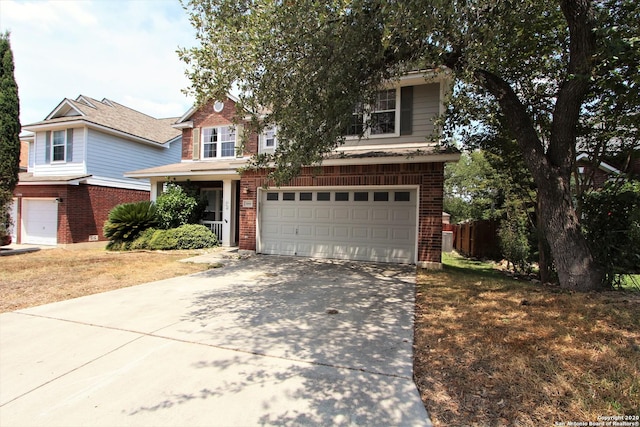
(204, 142)
(367, 116)
(64, 146)
(263, 138)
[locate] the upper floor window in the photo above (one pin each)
(218, 142)
(269, 138)
(383, 116)
(58, 146)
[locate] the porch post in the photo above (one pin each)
(156, 189)
(227, 198)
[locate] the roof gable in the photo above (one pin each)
(112, 115)
(64, 109)
(186, 117)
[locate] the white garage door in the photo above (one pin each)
(364, 225)
(40, 221)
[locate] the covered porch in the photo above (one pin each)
(218, 183)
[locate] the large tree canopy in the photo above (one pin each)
(525, 65)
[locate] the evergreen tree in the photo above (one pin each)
(9, 131)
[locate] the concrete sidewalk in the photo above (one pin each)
(263, 341)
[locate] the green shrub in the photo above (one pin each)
(128, 220)
(514, 240)
(195, 236)
(118, 245)
(142, 241)
(611, 223)
(176, 207)
(189, 236)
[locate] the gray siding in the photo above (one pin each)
(74, 167)
(426, 107)
(109, 156)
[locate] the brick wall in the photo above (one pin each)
(83, 209)
(428, 176)
(205, 116)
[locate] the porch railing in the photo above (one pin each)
(215, 227)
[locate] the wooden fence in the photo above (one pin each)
(476, 239)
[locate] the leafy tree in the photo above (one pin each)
(472, 188)
(9, 131)
(310, 62)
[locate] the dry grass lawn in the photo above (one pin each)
(492, 351)
(37, 278)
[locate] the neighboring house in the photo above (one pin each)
(76, 161)
(25, 140)
(376, 199)
(590, 177)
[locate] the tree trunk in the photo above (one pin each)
(576, 267)
(544, 257)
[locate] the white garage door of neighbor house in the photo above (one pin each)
(40, 221)
(364, 225)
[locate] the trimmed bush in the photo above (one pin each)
(189, 236)
(142, 242)
(128, 220)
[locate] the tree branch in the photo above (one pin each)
(573, 89)
(517, 120)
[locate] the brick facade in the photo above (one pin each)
(83, 209)
(206, 117)
(428, 176)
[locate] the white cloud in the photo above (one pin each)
(120, 50)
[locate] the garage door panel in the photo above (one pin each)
(288, 230)
(380, 233)
(381, 214)
(341, 214)
(305, 231)
(360, 214)
(288, 212)
(360, 232)
(401, 215)
(379, 229)
(401, 234)
(340, 232)
(271, 212)
(323, 231)
(323, 213)
(305, 213)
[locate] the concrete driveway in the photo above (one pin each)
(263, 341)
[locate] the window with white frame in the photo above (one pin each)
(269, 138)
(383, 116)
(58, 146)
(356, 127)
(218, 142)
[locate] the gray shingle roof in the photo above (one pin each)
(116, 116)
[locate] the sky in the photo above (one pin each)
(122, 50)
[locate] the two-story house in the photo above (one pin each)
(378, 198)
(76, 162)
